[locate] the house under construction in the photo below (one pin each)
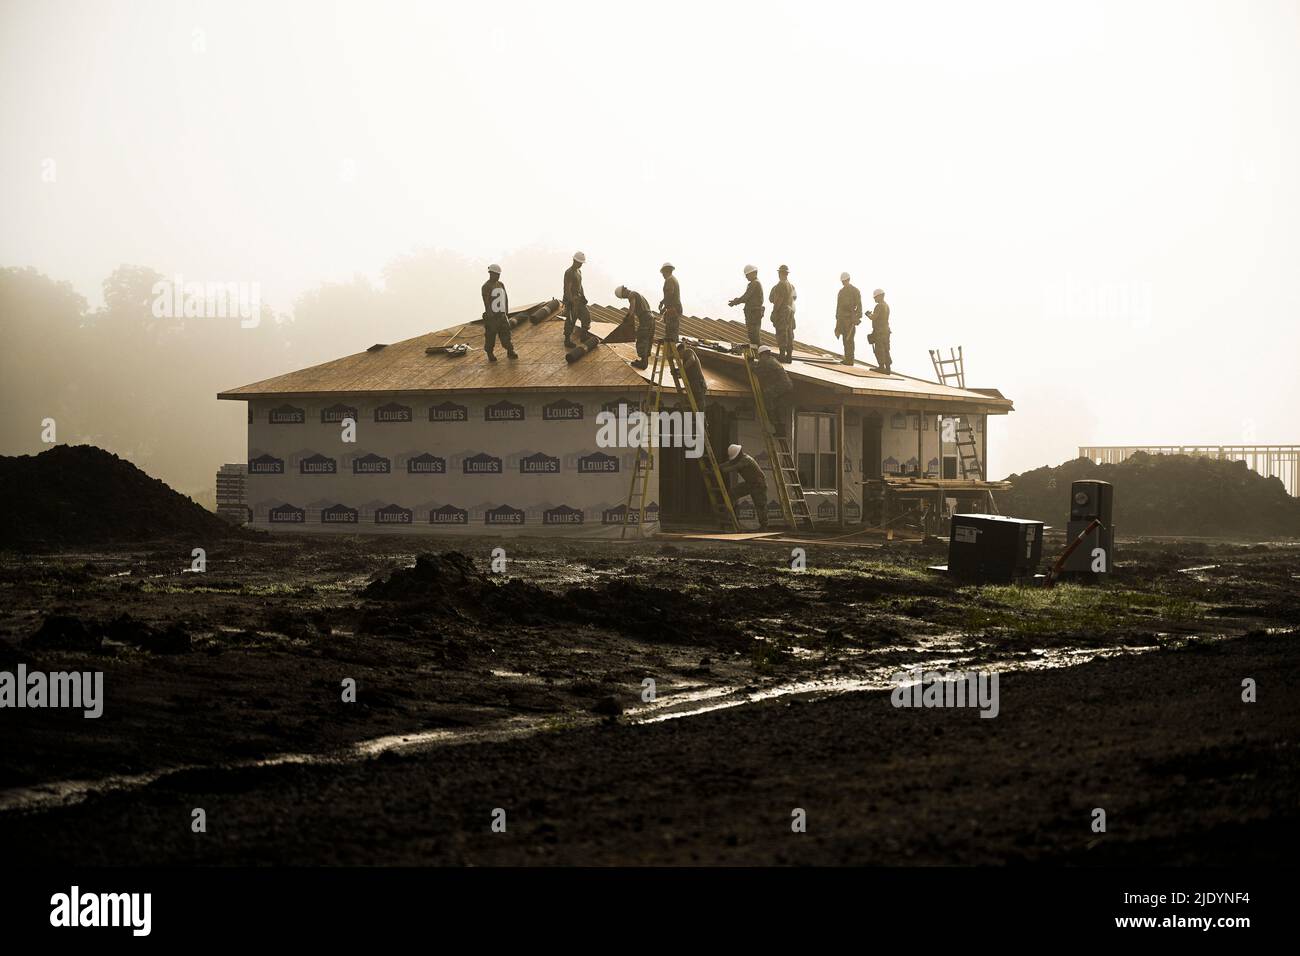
(445, 441)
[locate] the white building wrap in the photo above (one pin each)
(490, 464)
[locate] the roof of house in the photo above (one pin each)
(405, 367)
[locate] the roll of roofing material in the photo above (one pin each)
(581, 349)
(544, 311)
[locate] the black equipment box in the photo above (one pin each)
(994, 549)
(1094, 558)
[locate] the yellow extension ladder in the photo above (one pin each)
(666, 355)
(788, 488)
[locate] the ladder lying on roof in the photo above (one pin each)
(667, 355)
(794, 506)
(951, 370)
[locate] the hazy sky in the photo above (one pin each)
(1098, 200)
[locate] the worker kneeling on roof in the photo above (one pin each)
(638, 310)
(752, 481)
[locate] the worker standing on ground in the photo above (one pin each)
(671, 305)
(752, 481)
(638, 311)
(782, 298)
(694, 376)
(880, 330)
(848, 315)
(752, 300)
(778, 390)
(575, 300)
(496, 314)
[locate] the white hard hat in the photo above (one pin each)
(667, 265)
(749, 269)
(844, 277)
(494, 268)
(620, 292)
(878, 292)
(732, 451)
(579, 257)
(765, 350)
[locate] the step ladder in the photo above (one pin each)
(794, 506)
(950, 370)
(666, 355)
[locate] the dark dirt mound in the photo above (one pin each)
(449, 581)
(1164, 494)
(78, 495)
(171, 638)
(62, 632)
(656, 614)
(448, 585)
(434, 576)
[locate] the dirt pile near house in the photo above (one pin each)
(449, 585)
(1164, 494)
(79, 495)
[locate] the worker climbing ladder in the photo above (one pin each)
(666, 355)
(951, 370)
(789, 491)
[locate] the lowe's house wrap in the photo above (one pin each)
(413, 438)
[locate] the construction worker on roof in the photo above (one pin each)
(575, 300)
(670, 307)
(879, 337)
(848, 315)
(752, 300)
(638, 311)
(496, 314)
(782, 298)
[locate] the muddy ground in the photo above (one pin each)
(524, 690)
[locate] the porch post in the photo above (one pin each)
(839, 469)
(920, 444)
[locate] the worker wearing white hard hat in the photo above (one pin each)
(638, 312)
(848, 315)
(496, 315)
(752, 300)
(879, 337)
(753, 483)
(575, 300)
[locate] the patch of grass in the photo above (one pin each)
(1066, 607)
(873, 569)
(764, 655)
